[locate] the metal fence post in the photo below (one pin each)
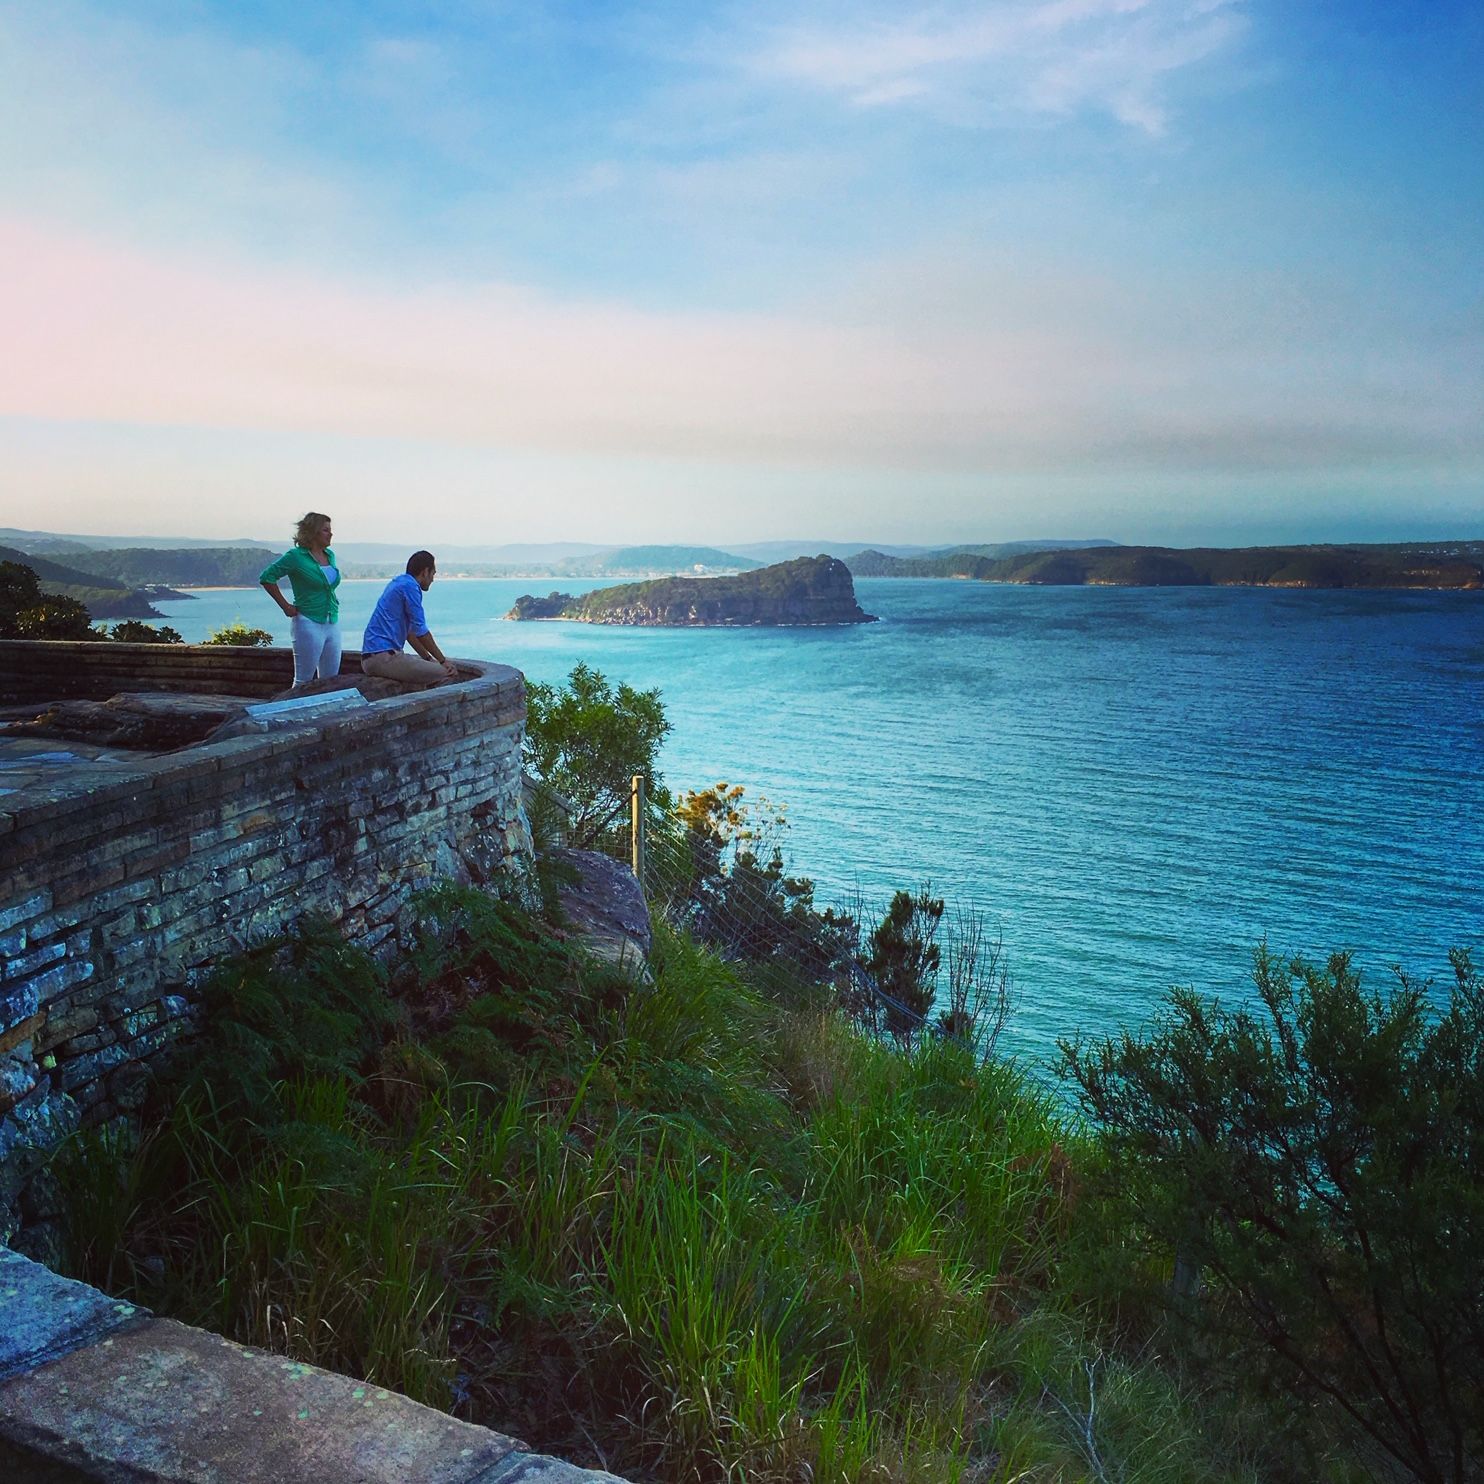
(636, 801)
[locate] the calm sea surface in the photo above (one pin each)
(1136, 785)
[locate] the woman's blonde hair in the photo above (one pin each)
(308, 528)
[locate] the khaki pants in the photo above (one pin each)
(402, 666)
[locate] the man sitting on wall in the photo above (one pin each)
(398, 620)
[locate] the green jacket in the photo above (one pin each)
(314, 597)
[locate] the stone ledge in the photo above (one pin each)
(97, 1393)
(47, 1317)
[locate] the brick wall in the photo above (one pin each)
(119, 887)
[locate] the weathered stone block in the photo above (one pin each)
(21, 1036)
(156, 858)
(136, 1022)
(19, 1002)
(87, 1042)
(59, 979)
(152, 1042)
(78, 885)
(76, 1020)
(18, 1076)
(25, 964)
(128, 1085)
(78, 1071)
(25, 910)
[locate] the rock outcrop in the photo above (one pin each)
(807, 592)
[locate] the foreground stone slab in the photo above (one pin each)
(164, 1402)
(152, 721)
(536, 1468)
(44, 1317)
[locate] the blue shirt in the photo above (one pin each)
(398, 613)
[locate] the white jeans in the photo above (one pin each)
(316, 650)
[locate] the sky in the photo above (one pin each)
(1173, 271)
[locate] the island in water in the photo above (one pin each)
(1443, 564)
(806, 592)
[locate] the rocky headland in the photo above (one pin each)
(807, 592)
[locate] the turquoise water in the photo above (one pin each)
(1136, 785)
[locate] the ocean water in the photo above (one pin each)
(1134, 785)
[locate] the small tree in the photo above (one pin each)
(28, 613)
(240, 634)
(132, 631)
(587, 740)
(1322, 1166)
(905, 958)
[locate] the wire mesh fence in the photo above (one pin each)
(905, 970)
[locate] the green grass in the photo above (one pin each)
(694, 1231)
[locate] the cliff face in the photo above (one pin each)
(808, 592)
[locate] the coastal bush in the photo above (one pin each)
(28, 613)
(132, 631)
(587, 740)
(1316, 1172)
(905, 957)
(241, 634)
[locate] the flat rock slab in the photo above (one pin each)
(151, 720)
(605, 907)
(44, 1317)
(164, 1402)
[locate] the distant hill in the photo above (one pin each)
(806, 592)
(1407, 565)
(392, 556)
(47, 542)
(197, 566)
(782, 551)
(666, 559)
(104, 597)
(1000, 549)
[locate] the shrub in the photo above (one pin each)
(28, 613)
(241, 634)
(132, 631)
(1322, 1166)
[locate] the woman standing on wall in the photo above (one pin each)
(310, 567)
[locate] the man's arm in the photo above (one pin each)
(427, 647)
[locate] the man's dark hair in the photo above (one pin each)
(420, 561)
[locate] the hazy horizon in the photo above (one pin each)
(747, 546)
(1175, 272)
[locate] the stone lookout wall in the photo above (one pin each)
(123, 882)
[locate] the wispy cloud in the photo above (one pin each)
(95, 332)
(1003, 59)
